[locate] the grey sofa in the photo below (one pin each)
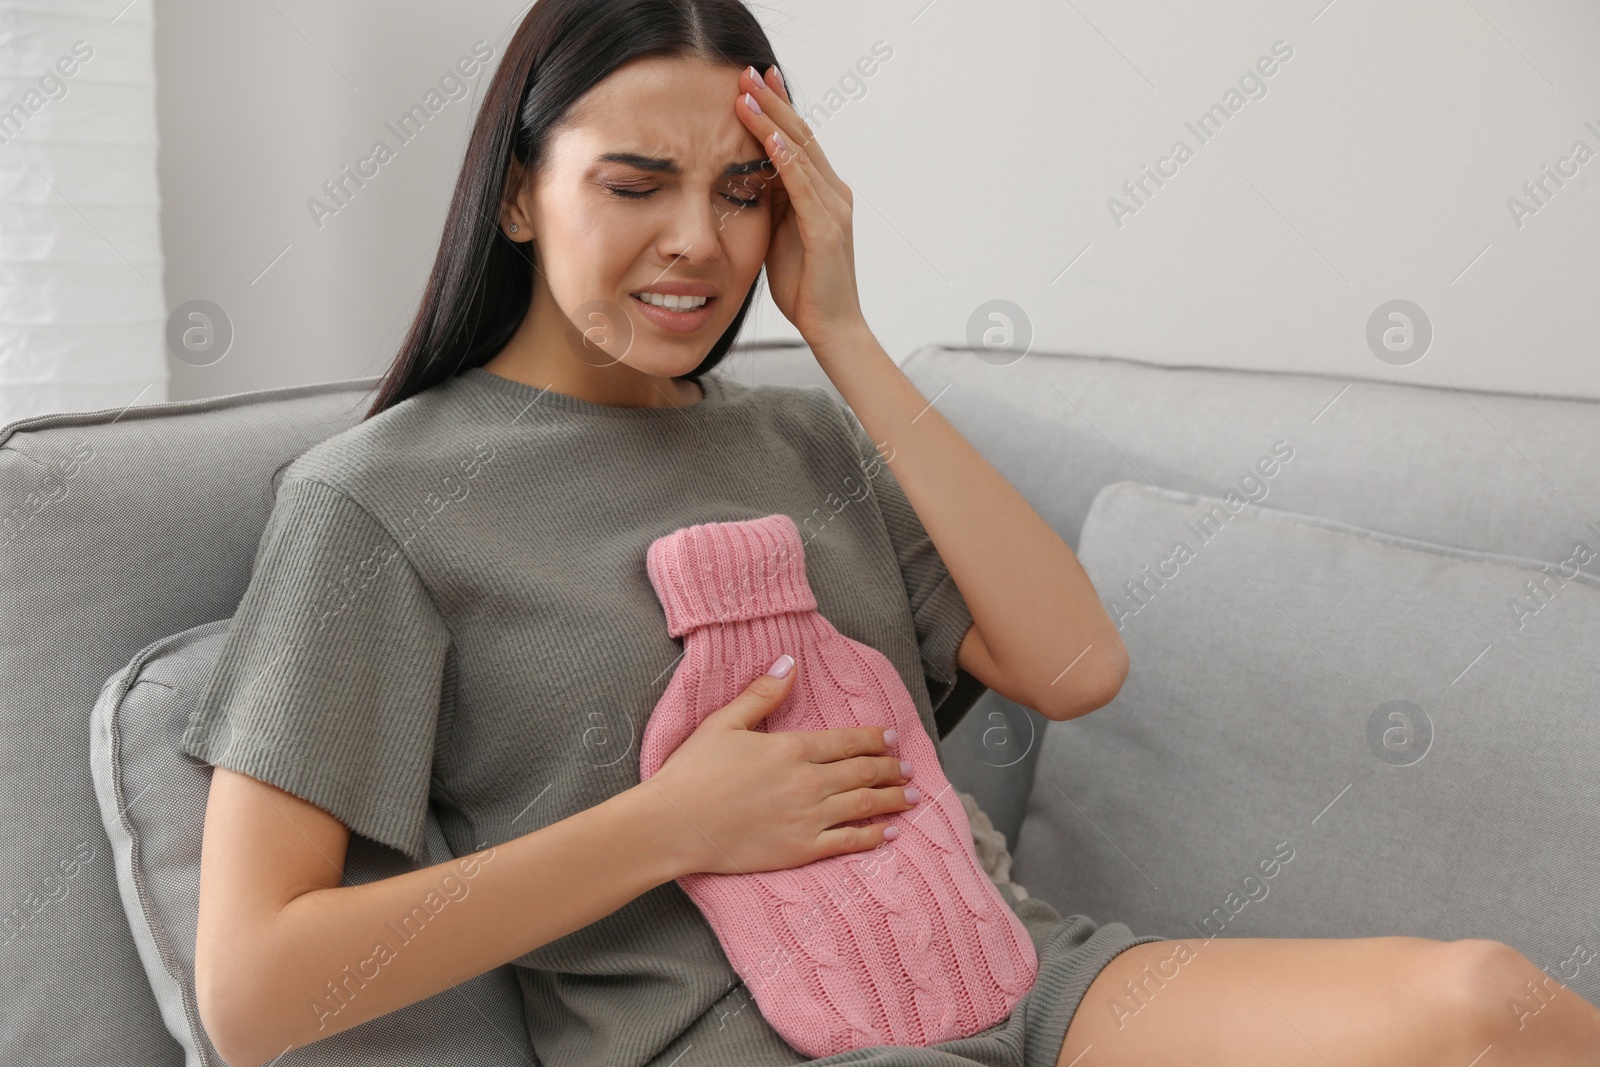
(1364, 695)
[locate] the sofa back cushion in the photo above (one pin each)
(117, 527)
(1500, 472)
(1504, 473)
(1329, 731)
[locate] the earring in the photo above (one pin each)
(513, 227)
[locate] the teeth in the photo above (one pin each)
(676, 303)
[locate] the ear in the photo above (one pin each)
(511, 212)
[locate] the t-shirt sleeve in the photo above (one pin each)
(329, 682)
(938, 610)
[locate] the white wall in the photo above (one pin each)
(82, 305)
(984, 153)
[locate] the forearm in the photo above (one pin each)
(334, 958)
(1038, 615)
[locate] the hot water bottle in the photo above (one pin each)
(909, 943)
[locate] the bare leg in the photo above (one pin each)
(1372, 1002)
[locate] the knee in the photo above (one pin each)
(1490, 989)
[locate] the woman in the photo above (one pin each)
(450, 607)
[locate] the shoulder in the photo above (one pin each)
(413, 446)
(817, 425)
(813, 409)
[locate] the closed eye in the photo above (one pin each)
(642, 194)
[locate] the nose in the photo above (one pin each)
(693, 232)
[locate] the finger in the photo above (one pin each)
(778, 105)
(774, 78)
(845, 742)
(804, 195)
(780, 113)
(795, 127)
(846, 839)
(773, 96)
(760, 698)
(865, 803)
(863, 772)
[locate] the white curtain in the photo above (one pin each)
(82, 308)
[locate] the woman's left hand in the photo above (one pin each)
(811, 266)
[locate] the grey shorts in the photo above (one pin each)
(1071, 950)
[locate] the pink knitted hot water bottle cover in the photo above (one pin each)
(909, 943)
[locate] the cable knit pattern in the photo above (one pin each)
(907, 944)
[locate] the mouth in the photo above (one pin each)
(675, 314)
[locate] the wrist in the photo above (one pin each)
(655, 832)
(846, 340)
(857, 366)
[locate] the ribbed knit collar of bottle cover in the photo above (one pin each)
(724, 572)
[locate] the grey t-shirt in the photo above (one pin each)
(449, 605)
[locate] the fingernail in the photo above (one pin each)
(781, 665)
(781, 83)
(913, 794)
(891, 832)
(905, 768)
(755, 75)
(750, 102)
(890, 736)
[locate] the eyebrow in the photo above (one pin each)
(670, 166)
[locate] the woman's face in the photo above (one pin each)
(654, 185)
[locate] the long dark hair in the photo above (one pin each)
(481, 284)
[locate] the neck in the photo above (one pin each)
(548, 352)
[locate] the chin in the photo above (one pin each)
(665, 365)
(671, 357)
